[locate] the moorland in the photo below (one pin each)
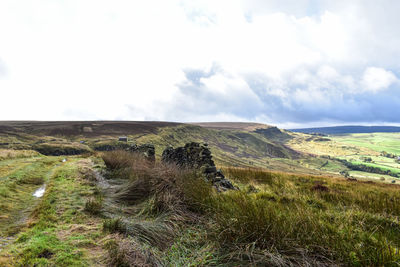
(77, 194)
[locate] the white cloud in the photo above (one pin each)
(377, 79)
(128, 60)
(3, 69)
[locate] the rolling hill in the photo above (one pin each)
(349, 129)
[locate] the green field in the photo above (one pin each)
(389, 142)
(372, 145)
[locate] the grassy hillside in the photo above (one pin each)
(229, 146)
(292, 206)
(233, 144)
(81, 128)
(349, 129)
(275, 219)
(389, 142)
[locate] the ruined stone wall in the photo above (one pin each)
(194, 155)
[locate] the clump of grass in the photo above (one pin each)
(164, 194)
(87, 173)
(192, 248)
(124, 252)
(120, 159)
(114, 225)
(169, 188)
(94, 205)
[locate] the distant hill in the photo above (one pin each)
(246, 126)
(349, 129)
(86, 128)
(232, 143)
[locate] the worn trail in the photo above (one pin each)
(45, 224)
(19, 179)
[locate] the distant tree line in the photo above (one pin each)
(388, 155)
(366, 168)
(366, 159)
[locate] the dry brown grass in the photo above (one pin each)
(162, 195)
(120, 159)
(124, 252)
(166, 184)
(284, 220)
(12, 154)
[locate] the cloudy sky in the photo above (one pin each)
(291, 63)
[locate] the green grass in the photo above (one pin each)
(233, 147)
(381, 166)
(372, 176)
(192, 248)
(17, 187)
(355, 223)
(378, 142)
(274, 219)
(148, 213)
(50, 238)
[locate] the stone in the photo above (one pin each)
(147, 150)
(194, 155)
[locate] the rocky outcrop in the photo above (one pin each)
(194, 155)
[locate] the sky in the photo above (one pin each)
(290, 63)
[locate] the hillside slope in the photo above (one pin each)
(235, 144)
(349, 129)
(229, 147)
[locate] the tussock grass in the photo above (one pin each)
(114, 225)
(120, 159)
(159, 193)
(163, 187)
(352, 222)
(94, 205)
(127, 253)
(276, 218)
